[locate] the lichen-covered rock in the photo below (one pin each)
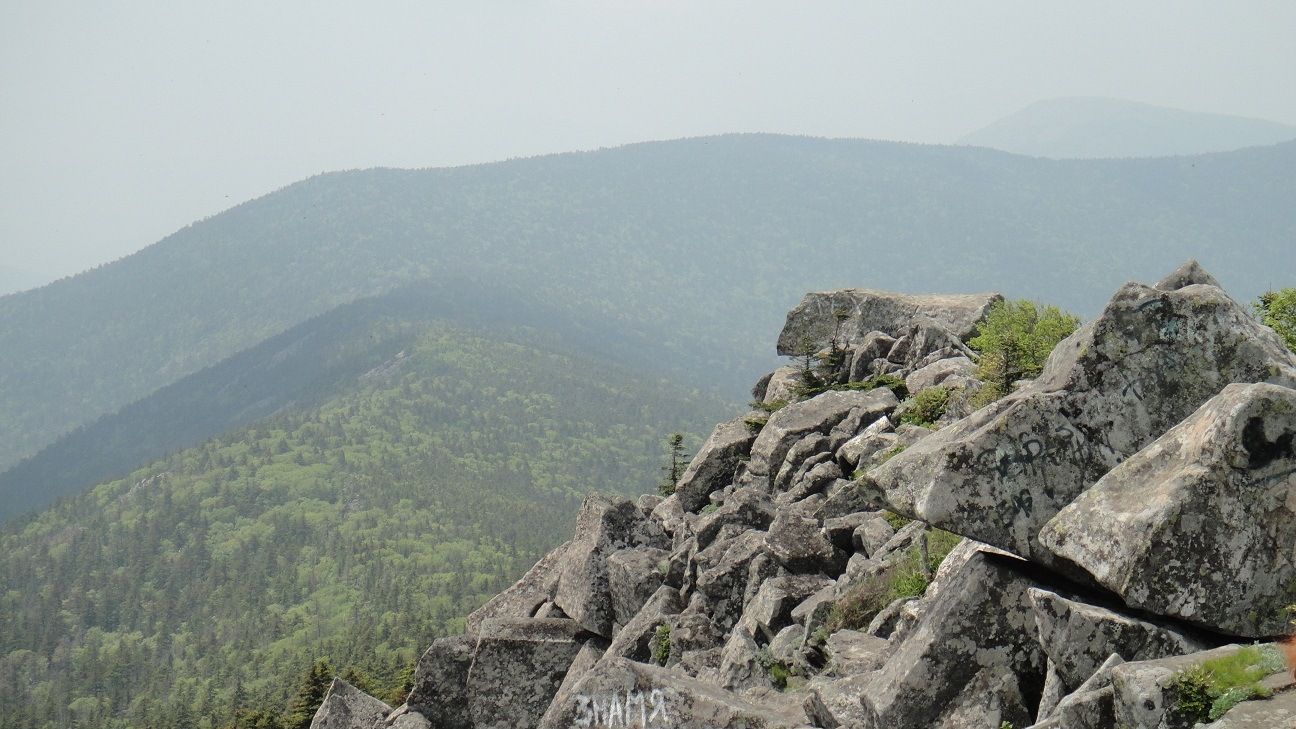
(1188, 274)
(1143, 697)
(980, 618)
(1201, 524)
(634, 641)
(713, 466)
(622, 693)
(440, 690)
(938, 372)
(797, 542)
(723, 574)
(633, 576)
(989, 701)
(604, 526)
(1118, 383)
(818, 415)
(1091, 706)
(1079, 637)
(744, 509)
(813, 323)
(347, 707)
(1274, 712)
(851, 652)
(517, 669)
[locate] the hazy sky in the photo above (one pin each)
(122, 122)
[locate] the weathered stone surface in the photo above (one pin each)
(1078, 637)
(938, 372)
(851, 652)
(812, 449)
(440, 690)
(818, 415)
(874, 346)
(814, 321)
(1142, 689)
(1150, 360)
(605, 525)
(784, 645)
(872, 533)
(713, 466)
(518, 668)
(1271, 713)
(923, 343)
(403, 718)
(771, 609)
(797, 542)
(838, 703)
(525, 596)
(1091, 706)
(745, 508)
(722, 575)
(740, 664)
(347, 707)
(782, 385)
(693, 632)
(980, 618)
(1201, 524)
(812, 481)
(634, 641)
(633, 576)
(622, 693)
(1187, 274)
(861, 447)
(992, 699)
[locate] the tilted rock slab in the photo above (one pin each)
(1118, 383)
(347, 707)
(712, 468)
(518, 667)
(812, 323)
(620, 693)
(979, 618)
(1201, 524)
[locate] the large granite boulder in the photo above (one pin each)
(518, 668)
(1201, 524)
(850, 314)
(440, 690)
(1118, 383)
(712, 468)
(622, 693)
(1144, 693)
(979, 618)
(604, 526)
(347, 707)
(525, 596)
(818, 415)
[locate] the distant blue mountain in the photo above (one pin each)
(1084, 127)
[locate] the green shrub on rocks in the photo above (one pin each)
(1014, 340)
(928, 406)
(1277, 310)
(1206, 691)
(661, 646)
(857, 608)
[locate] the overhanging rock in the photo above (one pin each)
(1201, 524)
(1150, 360)
(812, 324)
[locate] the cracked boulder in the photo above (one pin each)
(1200, 525)
(849, 315)
(1147, 362)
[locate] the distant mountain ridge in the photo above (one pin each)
(694, 248)
(1084, 127)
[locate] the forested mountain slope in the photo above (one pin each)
(699, 245)
(308, 364)
(357, 529)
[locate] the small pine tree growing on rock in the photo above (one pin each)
(1014, 340)
(678, 462)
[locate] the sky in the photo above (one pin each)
(122, 122)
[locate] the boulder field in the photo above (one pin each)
(1056, 559)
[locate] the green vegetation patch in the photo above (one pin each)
(927, 407)
(1206, 691)
(857, 608)
(1277, 310)
(1014, 340)
(660, 646)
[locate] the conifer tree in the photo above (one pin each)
(678, 462)
(310, 695)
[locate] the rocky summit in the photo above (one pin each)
(1074, 555)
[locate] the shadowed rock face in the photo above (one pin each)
(814, 321)
(1200, 525)
(347, 707)
(1112, 388)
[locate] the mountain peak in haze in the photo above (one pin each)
(1081, 127)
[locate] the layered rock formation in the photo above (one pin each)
(1128, 510)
